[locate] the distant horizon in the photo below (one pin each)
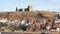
(46, 5)
(33, 10)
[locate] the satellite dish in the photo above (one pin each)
(57, 29)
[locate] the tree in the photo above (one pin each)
(40, 15)
(4, 25)
(0, 26)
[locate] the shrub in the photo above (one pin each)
(4, 25)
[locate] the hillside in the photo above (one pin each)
(26, 15)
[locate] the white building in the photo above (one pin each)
(3, 20)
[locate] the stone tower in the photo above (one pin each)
(16, 9)
(23, 9)
(29, 8)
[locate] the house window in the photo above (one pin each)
(48, 20)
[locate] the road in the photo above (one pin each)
(9, 33)
(27, 33)
(20, 33)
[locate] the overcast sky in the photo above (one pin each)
(10, 5)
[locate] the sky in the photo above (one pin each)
(48, 5)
